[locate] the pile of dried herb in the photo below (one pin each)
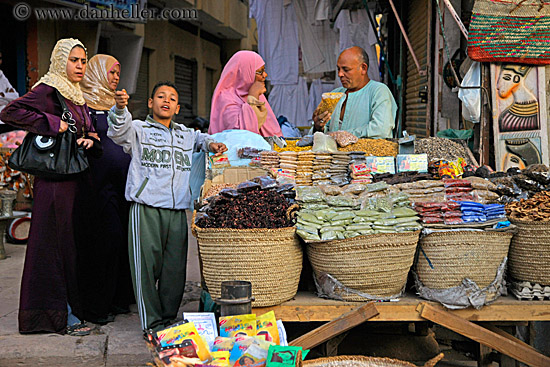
(251, 205)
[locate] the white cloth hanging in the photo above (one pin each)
(322, 9)
(317, 40)
(9, 92)
(290, 100)
(277, 39)
(316, 90)
(355, 30)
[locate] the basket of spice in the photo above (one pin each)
(529, 258)
(358, 253)
(246, 234)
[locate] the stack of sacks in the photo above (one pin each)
(476, 212)
(269, 159)
(344, 220)
(423, 191)
(339, 168)
(484, 191)
(304, 170)
(439, 212)
(458, 190)
(321, 167)
(472, 212)
(288, 161)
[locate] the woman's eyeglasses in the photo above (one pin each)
(261, 72)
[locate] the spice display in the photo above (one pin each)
(343, 138)
(288, 162)
(535, 209)
(325, 217)
(441, 148)
(375, 147)
(476, 212)
(291, 146)
(259, 204)
(216, 188)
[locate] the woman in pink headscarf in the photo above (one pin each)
(239, 101)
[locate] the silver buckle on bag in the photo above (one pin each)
(67, 116)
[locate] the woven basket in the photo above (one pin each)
(271, 259)
(461, 254)
(362, 361)
(376, 264)
(529, 258)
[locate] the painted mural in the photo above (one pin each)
(520, 129)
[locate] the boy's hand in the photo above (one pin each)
(121, 99)
(217, 148)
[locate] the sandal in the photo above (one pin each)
(79, 329)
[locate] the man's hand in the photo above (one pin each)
(121, 99)
(63, 126)
(217, 148)
(320, 120)
(86, 143)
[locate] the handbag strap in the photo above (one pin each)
(66, 115)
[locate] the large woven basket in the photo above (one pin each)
(362, 361)
(376, 265)
(454, 256)
(271, 259)
(529, 258)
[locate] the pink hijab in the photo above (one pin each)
(229, 107)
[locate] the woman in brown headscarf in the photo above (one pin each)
(105, 276)
(50, 299)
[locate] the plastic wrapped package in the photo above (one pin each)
(308, 236)
(351, 234)
(404, 212)
(331, 190)
(332, 228)
(305, 141)
(343, 138)
(379, 186)
(309, 217)
(265, 182)
(355, 189)
(238, 139)
(310, 194)
(332, 235)
(247, 186)
(341, 200)
(479, 183)
(324, 143)
(328, 102)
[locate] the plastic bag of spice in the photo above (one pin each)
(247, 186)
(265, 182)
(344, 138)
(310, 194)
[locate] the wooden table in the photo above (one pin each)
(478, 325)
(307, 307)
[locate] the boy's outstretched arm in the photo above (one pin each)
(121, 130)
(205, 143)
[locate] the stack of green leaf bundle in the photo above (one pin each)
(343, 218)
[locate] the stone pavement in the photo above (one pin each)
(116, 344)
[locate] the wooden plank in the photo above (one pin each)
(336, 327)
(505, 345)
(503, 333)
(306, 307)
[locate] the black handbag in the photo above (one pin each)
(52, 157)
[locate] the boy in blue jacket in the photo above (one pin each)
(158, 188)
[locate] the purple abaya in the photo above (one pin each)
(49, 276)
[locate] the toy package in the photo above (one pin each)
(289, 356)
(187, 339)
(223, 344)
(267, 327)
(240, 325)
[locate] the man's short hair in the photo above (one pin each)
(165, 83)
(364, 56)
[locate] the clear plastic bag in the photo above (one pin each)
(323, 143)
(309, 194)
(471, 98)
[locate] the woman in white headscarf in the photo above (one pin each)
(49, 300)
(107, 285)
